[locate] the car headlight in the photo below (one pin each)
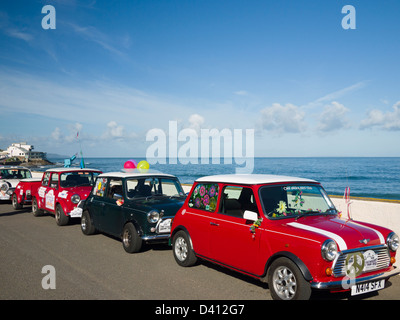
(153, 216)
(393, 241)
(75, 198)
(4, 186)
(329, 250)
(10, 191)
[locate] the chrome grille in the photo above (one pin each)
(339, 268)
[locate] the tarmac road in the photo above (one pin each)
(97, 267)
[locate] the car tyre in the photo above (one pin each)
(61, 218)
(131, 240)
(35, 208)
(182, 249)
(87, 224)
(286, 282)
(15, 203)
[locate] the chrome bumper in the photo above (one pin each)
(339, 284)
(156, 237)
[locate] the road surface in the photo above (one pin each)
(35, 253)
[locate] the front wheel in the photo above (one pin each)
(286, 282)
(131, 240)
(15, 203)
(87, 224)
(182, 249)
(61, 218)
(35, 208)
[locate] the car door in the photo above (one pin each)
(111, 216)
(51, 192)
(202, 205)
(232, 241)
(42, 191)
(96, 201)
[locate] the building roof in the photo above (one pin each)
(252, 179)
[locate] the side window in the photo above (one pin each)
(138, 188)
(115, 190)
(54, 180)
(46, 179)
(236, 200)
(204, 197)
(100, 187)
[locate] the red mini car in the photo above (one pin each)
(284, 231)
(60, 192)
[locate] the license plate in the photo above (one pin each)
(164, 226)
(367, 287)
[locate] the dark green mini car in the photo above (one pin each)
(134, 206)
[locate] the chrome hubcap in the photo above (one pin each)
(127, 238)
(83, 223)
(181, 249)
(284, 283)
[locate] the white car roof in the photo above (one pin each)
(252, 179)
(13, 167)
(136, 173)
(62, 169)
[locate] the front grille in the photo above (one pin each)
(339, 267)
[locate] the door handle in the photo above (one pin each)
(214, 224)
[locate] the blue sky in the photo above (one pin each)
(113, 70)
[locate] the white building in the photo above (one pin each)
(23, 150)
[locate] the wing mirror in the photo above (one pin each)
(250, 215)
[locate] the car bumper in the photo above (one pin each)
(345, 285)
(158, 237)
(76, 213)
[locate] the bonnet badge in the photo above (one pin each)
(365, 241)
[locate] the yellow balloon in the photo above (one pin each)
(143, 165)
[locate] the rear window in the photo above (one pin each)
(204, 197)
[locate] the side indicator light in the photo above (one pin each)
(328, 272)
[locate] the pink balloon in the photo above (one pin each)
(130, 164)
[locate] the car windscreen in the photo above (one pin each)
(77, 178)
(152, 186)
(295, 200)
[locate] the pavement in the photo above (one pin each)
(34, 251)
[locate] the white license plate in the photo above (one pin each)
(164, 226)
(367, 287)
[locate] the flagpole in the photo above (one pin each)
(80, 145)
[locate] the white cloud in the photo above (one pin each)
(333, 117)
(115, 131)
(195, 122)
(92, 34)
(56, 134)
(283, 119)
(241, 93)
(387, 121)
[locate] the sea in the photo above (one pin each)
(371, 177)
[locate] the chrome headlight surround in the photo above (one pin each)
(75, 198)
(329, 250)
(4, 186)
(393, 241)
(153, 216)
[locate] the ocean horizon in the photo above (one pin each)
(372, 177)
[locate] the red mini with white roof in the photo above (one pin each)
(284, 231)
(60, 192)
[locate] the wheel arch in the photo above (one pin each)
(182, 228)
(295, 259)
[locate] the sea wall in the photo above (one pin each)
(385, 214)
